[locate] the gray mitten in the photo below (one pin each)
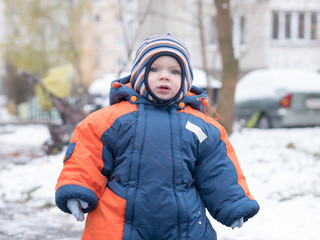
(237, 223)
(75, 206)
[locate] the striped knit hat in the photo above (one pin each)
(152, 48)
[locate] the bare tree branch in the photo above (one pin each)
(130, 42)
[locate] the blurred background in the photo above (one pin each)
(258, 60)
(98, 39)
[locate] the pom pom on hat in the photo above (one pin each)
(152, 48)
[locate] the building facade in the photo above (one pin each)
(283, 33)
(267, 33)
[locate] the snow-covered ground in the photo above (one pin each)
(282, 168)
(27, 181)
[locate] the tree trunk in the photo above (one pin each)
(203, 45)
(230, 66)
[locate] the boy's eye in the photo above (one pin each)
(175, 72)
(154, 69)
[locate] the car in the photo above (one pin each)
(278, 98)
(201, 80)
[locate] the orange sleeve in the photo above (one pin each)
(83, 166)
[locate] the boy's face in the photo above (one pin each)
(165, 77)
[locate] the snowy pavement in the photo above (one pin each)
(282, 168)
(28, 223)
(27, 181)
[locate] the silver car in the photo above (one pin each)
(273, 98)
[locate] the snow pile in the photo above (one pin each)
(23, 178)
(24, 135)
(100, 87)
(200, 79)
(273, 82)
(287, 164)
(32, 183)
(4, 114)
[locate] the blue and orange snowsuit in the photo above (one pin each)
(150, 172)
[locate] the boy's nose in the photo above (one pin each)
(164, 74)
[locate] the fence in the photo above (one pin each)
(31, 111)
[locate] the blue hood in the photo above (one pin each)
(121, 92)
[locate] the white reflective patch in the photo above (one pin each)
(197, 131)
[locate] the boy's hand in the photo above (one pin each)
(237, 223)
(75, 206)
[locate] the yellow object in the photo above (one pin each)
(253, 120)
(43, 97)
(57, 82)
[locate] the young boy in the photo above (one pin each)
(149, 165)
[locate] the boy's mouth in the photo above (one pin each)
(163, 87)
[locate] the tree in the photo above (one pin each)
(230, 65)
(26, 46)
(131, 41)
(18, 89)
(70, 38)
(203, 45)
(44, 34)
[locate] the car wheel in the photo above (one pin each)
(264, 122)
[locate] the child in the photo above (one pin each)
(149, 165)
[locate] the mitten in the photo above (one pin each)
(237, 223)
(75, 206)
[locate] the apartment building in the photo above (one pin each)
(267, 33)
(282, 33)
(103, 48)
(118, 27)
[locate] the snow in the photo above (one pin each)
(282, 171)
(271, 82)
(4, 114)
(282, 167)
(200, 79)
(100, 87)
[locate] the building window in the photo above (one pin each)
(213, 32)
(97, 61)
(275, 25)
(287, 26)
(301, 26)
(242, 30)
(96, 40)
(120, 63)
(295, 26)
(313, 26)
(96, 17)
(119, 41)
